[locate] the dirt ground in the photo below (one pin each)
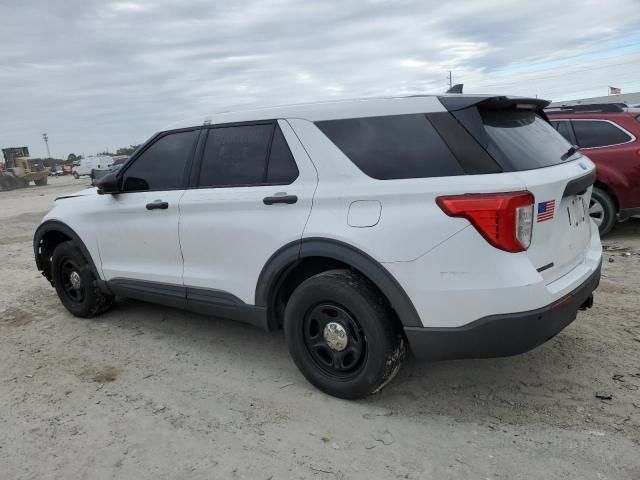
(150, 392)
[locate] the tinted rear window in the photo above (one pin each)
(393, 147)
(282, 167)
(522, 140)
(595, 133)
(235, 156)
(240, 156)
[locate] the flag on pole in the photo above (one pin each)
(615, 91)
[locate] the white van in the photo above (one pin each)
(87, 164)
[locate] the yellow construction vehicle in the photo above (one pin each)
(20, 170)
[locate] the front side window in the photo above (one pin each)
(162, 165)
(246, 155)
(393, 147)
(597, 133)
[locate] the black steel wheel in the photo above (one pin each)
(75, 282)
(335, 340)
(72, 281)
(342, 334)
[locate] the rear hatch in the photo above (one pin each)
(517, 135)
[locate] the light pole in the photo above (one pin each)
(46, 142)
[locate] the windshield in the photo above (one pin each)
(522, 140)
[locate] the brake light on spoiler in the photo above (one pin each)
(505, 220)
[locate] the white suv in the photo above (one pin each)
(454, 223)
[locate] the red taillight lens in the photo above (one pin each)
(505, 220)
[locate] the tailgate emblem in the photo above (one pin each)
(546, 210)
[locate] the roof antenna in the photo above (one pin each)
(457, 88)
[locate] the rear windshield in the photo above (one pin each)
(522, 140)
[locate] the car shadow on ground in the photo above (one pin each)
(548, 384)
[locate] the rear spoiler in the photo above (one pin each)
(457, 102)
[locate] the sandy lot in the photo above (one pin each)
(150, 392)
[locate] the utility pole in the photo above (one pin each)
(46, 142)
(450, 82)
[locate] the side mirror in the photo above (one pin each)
(108, 184)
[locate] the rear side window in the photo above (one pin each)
(521, 140)
(162, 165)
(393, 147)
(235, 156)
(597, 133)
(282, 167)
(246, 155)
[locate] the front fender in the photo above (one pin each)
(47, 236)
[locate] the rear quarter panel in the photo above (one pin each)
(410, 225)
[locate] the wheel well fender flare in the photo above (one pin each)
(57, 226)
(277, 266)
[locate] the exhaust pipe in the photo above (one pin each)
(588, 303)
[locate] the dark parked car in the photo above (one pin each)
(609, 134)
(56, 171)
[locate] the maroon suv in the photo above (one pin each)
(609, 134)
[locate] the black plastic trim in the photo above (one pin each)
(461, 102)
(207, 295)
(579, 185)
(545, 267)
(57, 226)
(211, 302)
(67, 196)
(502, 335)
(287, 199)
(472, 157)
(277, 265)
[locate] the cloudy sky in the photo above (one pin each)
(98, 75)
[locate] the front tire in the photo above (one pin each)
(76, 176)
(75, 283)
(602, 210)
(342, 335)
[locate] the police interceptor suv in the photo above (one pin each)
(454, 225)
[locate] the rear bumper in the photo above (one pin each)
(502, 335)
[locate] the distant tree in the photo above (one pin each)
(106, 154)
(127, 150)
(72, 158)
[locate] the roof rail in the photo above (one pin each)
(589, 108)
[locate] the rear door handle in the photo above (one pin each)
(288, 199)
(157, 205)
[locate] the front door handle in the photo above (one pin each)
(288, 199)
(157, 205)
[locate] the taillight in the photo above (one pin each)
(505, 220)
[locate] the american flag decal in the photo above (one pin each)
(546, 210)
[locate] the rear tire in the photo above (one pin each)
(602, 210)
(75, 282)
(342, 335)
(41, 182)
